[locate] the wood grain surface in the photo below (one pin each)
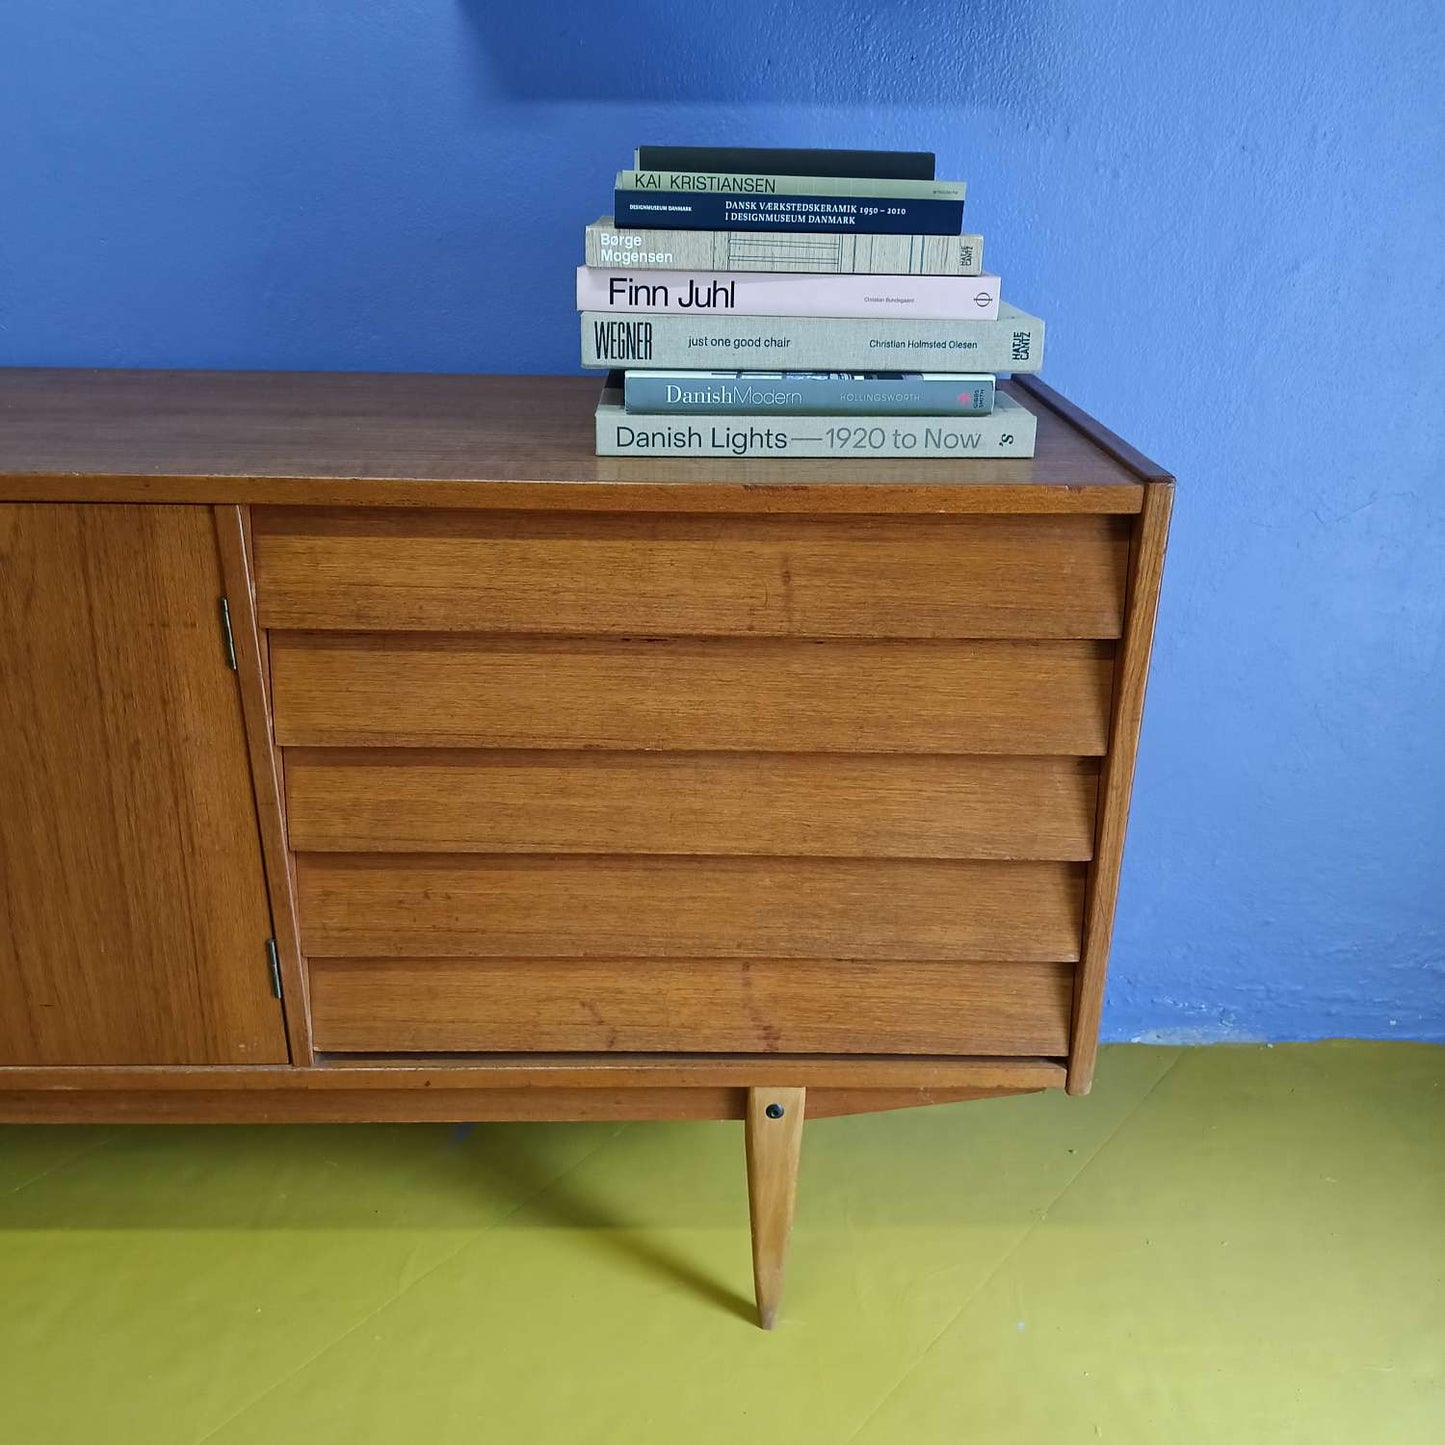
(1034, 390)
(135, 914)
(434, 690)
(233, 543)
(1117, 780)
(691, 1006)
(402, 800)
(457, 906)
(773, 1135)
(358, 1073)
(407, 1104)
(691, 576)
(198, 1104)
(466, 441)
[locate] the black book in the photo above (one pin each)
(745, 160)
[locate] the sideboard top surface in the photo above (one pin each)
(357, 439)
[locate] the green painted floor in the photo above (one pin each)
(1227, 1244)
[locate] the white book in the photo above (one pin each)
(941, 298)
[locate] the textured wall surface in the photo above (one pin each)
(1231, 216)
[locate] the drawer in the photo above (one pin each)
(743, 695)
(385, 570)
(821, 805)
(690, 1006)
(456, 906)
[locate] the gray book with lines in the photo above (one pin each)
(848, 252)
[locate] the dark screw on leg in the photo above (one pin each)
(775, 1111)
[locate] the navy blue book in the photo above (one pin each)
(730, 211)
(772, 161)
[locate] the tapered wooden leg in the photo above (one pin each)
(774, 1134)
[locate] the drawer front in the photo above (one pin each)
(382, 570)
(358, 906)
(429, 690)
(682, 784)
(690, 1006)
(398, 800)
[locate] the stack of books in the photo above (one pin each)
(742, 300)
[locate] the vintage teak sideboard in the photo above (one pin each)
(371, 750)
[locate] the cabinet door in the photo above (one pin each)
(133, 909)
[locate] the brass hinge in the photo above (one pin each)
(227, 636)
(273, 959)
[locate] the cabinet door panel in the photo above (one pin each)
(133, 907)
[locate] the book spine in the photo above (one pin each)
(698, 211)
(838, 253)
(1007, 433)
(894, 165)
(688, 292)
(728, 183)
(1013, 343)
(682, 393)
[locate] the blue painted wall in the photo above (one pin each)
(1195, 195)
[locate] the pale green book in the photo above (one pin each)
(1009, 431)
(840, 252)
(663, 341)
(760, 185)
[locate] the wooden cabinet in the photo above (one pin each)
(565, 786)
